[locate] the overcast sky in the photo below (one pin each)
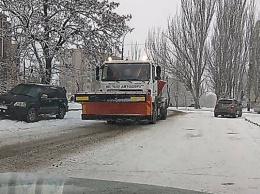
(146, 15)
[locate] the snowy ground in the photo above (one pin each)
(249, 116)
(195, 151)
(192, 151)
(19, 131)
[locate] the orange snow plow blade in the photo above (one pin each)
(115, 106)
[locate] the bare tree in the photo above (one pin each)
(183, 46)
(47, 27)
(253, 81)
(230, 47)
(135, 52)
(157, 51)
(255, 61)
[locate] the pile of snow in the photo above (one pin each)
(14, 129)
(74, 106)
(252, 117)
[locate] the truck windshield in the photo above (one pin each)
(126, 72)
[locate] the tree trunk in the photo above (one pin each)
(197, 97)
(48, 71)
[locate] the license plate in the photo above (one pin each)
(3, 106)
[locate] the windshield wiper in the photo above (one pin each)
(129, 80)
(109, 80)
(138, 80)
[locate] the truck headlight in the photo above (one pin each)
(20, 104)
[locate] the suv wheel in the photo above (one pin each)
(61, 113)
(240, 114)
(31, 115)
(215, 115)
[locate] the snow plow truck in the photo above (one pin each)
(128, 90)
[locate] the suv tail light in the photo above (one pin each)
(216, 106)
(232, 106)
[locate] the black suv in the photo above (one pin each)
(27, 101)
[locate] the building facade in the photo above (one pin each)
(9, 67)
(76, 73)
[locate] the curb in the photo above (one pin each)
(252, 122)
(175, 112)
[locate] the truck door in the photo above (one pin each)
(154, 82)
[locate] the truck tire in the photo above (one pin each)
(163, 113)
(111, 122)
(154, 115)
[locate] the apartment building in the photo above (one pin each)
(76, 74)
(8, 62)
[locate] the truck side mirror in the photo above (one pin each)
(158, 72)
(97, 73)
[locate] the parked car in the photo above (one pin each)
(228, 107)
(257, 108)
(28, 101)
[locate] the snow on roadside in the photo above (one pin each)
(21, 131)
(252, 117)
(75, 105)
(192, 109)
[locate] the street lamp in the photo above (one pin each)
(123, 42)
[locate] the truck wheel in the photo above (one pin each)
(163, 113)
(111, 122)
(154, 115)
(31, 115)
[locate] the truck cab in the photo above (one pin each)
(126, 76)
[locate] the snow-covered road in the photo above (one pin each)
(193, 151)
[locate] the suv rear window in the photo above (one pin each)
(225, 101)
